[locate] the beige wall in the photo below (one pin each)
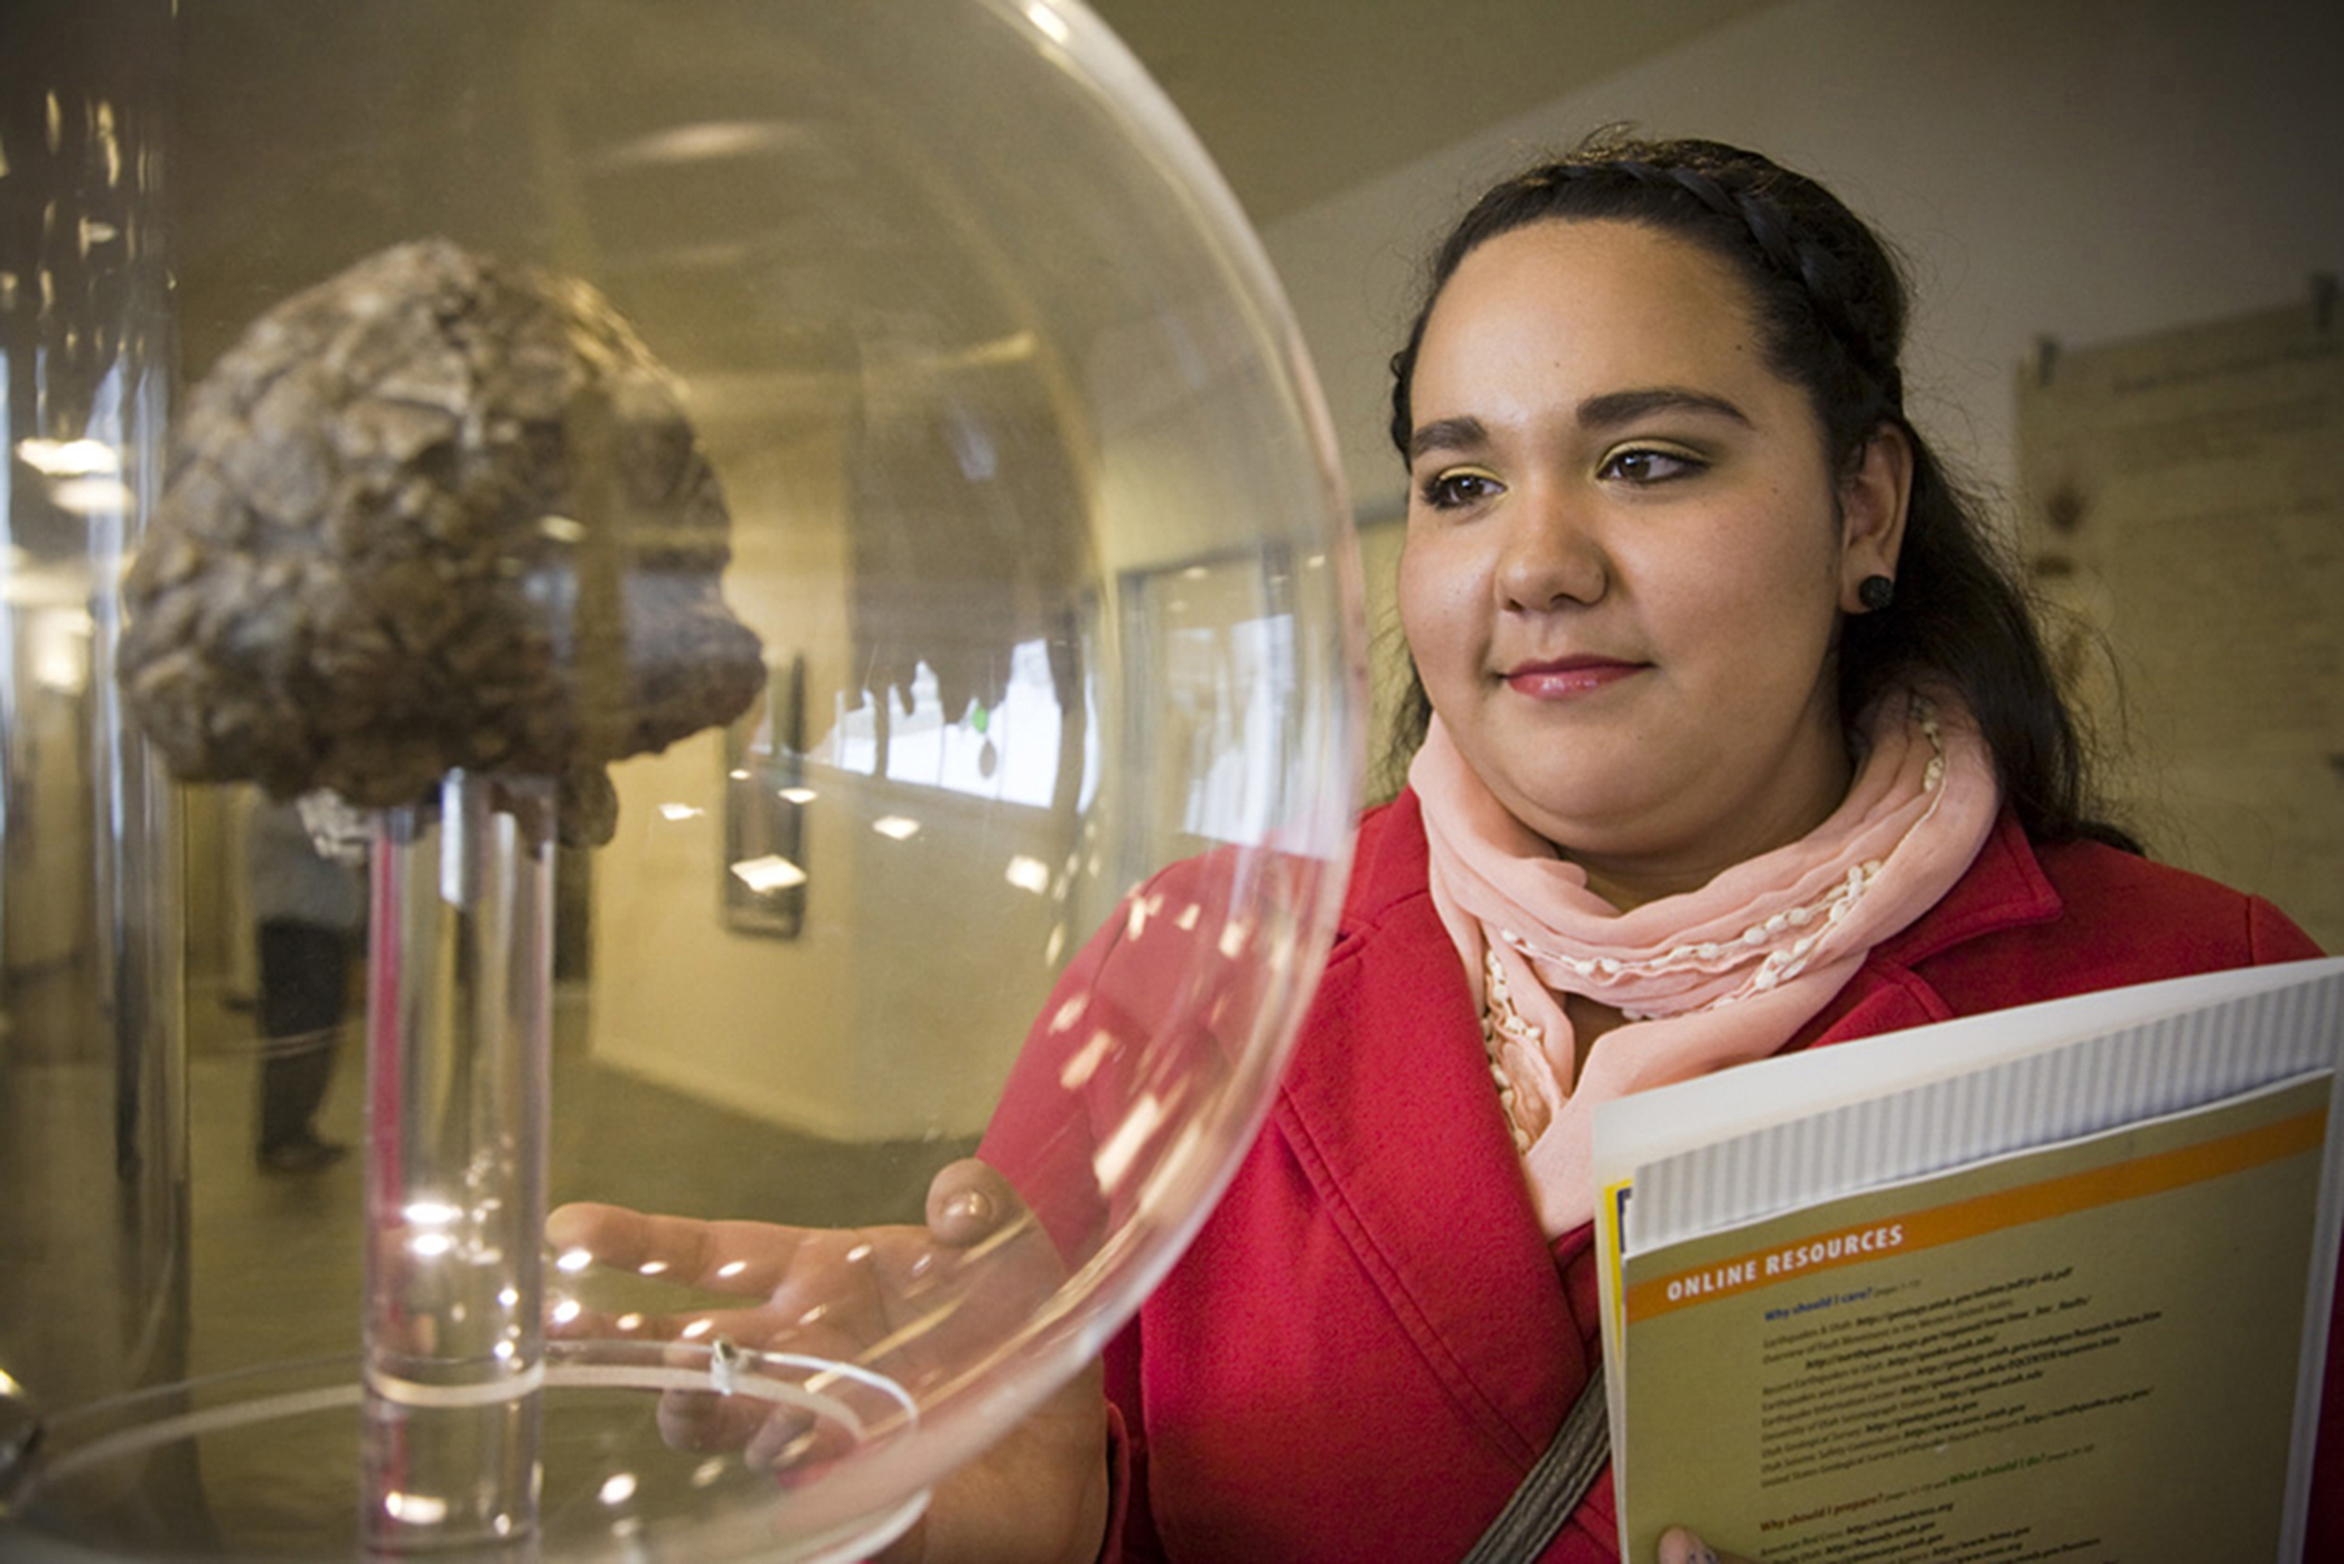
(676, 999)
(896, 1009)
(2086, 170)
(2089, 170)
(2083, 171)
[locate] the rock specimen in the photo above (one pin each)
(436, 512)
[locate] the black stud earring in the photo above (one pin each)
(1875, 593)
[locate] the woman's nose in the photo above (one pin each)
(1552, 557)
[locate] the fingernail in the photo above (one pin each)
(970, 1205)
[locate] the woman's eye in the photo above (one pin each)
(1448, 490)
(1645, 465)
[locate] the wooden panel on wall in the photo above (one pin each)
(2184, 498)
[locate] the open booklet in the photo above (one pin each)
(2049, 1283)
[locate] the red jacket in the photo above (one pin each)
(1370, 1340)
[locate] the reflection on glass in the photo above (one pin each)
(954, 417)
(1008, 751)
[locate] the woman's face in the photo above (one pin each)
(1627, 554)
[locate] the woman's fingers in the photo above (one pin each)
(968, 1202)
(790, 1442)
(970, 1208)
(745, 1258)
(1679, 1546)
(707, 1420)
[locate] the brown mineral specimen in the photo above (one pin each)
(434, 513)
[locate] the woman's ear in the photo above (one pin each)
(1872, 503)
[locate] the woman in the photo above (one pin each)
(1735, 741)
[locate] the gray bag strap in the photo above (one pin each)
(1555, 1485)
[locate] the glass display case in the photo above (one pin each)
(786, 559)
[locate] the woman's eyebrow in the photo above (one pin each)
(1448, 434)
(1607, 411)
(1619, 407)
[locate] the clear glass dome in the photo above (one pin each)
(796, 545)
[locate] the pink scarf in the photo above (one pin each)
(1711, 978)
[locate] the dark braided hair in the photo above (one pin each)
(1830, 305)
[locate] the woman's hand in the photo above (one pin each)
(1679, 1546)
(900, 1300)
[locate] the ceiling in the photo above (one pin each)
(1299, 99)
(312, 133)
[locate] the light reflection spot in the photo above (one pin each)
(70, 458)
(769, 873)
(1114, 1159)
(92, 495)
(1048, 21)
(1086, 1062)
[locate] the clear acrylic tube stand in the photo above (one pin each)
(458, 1048)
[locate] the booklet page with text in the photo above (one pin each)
(2051, 1284)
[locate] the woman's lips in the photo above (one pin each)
(1567, 676)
